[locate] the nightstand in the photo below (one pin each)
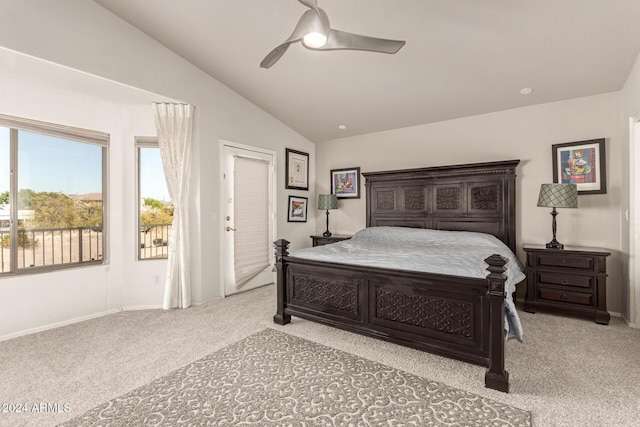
(320, 240)
(572, 281)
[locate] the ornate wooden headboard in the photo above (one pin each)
(472, 197)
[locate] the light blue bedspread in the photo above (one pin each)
(458, 253)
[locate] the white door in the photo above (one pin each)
(249, 218)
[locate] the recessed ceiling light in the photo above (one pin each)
(342, 127)
(526, 91)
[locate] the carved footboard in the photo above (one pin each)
(457, 317)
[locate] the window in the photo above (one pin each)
(52, 205)
(155, 210)
(5, 217)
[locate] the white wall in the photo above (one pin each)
(631, 203)
(47, 92)
(524, 133)
(83, 36)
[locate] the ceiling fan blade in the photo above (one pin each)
(343, 40)
(309, 21)
(273, 56)
(312, 4)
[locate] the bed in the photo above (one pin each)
(449, 314)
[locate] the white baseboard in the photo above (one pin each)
(156, 307)
(142, 307)
(629, 323)
(58, 324)
(612, 313)
(159, 306)
(87, 317)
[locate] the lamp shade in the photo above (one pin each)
(327, 201)
(558, 196)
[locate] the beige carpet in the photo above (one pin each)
(275, 379)
(567, 372)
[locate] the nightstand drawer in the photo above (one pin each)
(565, 296)
(546, 278)
(320, 240)
(565, 261)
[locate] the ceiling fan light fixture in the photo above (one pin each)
(314, 39)
(314, 32)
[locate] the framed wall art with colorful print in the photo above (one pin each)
(581, 163)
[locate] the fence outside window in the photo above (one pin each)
(154, 241)
(46, 247)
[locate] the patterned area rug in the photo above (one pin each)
(275, 379)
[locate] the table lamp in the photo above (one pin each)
(326, 202)
(557, 196)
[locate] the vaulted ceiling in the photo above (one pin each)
(462, 57)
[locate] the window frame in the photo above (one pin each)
(101, 139)
(143, 142)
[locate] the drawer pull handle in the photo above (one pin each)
(564, 282)
(563, 297)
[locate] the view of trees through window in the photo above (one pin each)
(155, 208)
(55, 217)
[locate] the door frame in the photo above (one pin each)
(221, 201)
(633, 221)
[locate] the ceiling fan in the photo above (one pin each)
(314, 31)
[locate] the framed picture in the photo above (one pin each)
(582, 163)
(345, 183)
(297, 209)
(297, 170)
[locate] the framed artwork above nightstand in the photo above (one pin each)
(571, 281)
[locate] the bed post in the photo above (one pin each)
(496, 377)
(282, 247)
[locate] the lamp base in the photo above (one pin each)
(554, 244)
(327, 233)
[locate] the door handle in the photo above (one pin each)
(230, 228)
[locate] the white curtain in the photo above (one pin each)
(174, 124)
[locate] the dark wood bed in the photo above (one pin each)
(453, 316)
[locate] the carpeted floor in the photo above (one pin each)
(273, 379)
(567, 372)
